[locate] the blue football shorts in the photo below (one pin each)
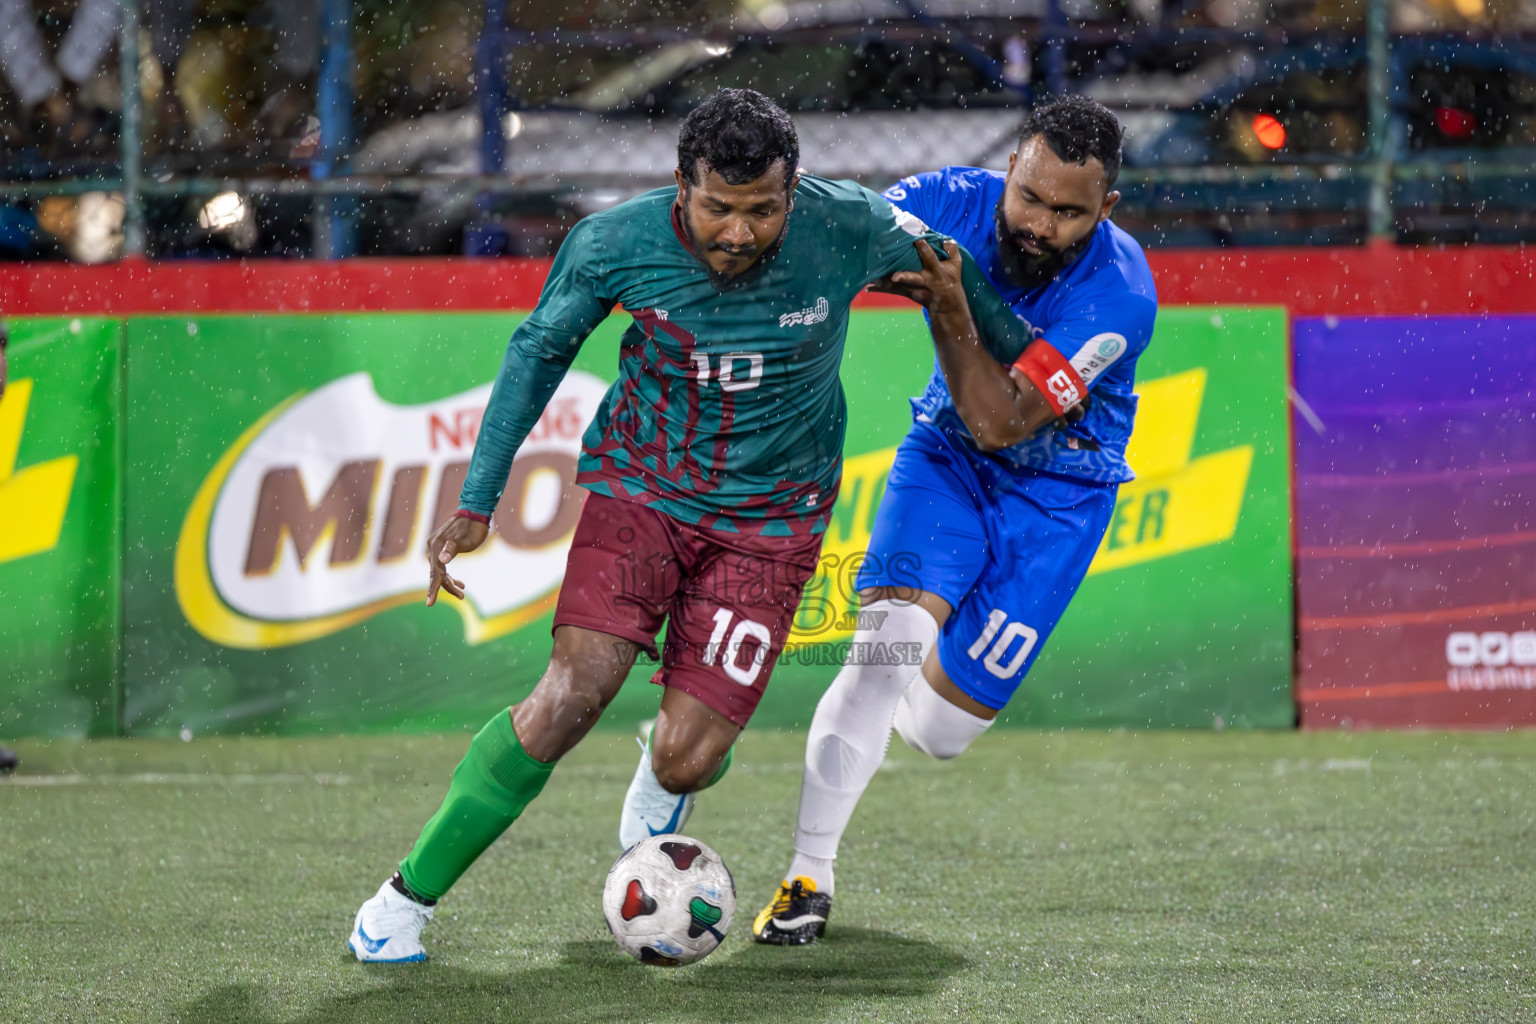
(1006, 549)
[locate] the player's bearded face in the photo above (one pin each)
(1026, 259)
(732, 227)
(1048, 213)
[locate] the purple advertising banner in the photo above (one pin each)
(1416, 535)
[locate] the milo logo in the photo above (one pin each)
(317, 517)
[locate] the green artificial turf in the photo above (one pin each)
(1041, 877)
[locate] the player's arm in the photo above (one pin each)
(538, 356)
(895, 224)
(997, 406)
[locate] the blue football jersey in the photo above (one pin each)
(1098, 314)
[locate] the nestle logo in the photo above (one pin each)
(320, 518)
(457, 429)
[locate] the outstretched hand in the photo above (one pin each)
(937, 287)
(456, 536)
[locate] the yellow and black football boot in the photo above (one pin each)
(797, 916)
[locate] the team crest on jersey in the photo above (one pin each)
(811, 315)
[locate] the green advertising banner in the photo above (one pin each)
(60, 537)
(288, 469)
(1185, 619)
(275, 574)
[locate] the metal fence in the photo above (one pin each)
(1381, 193)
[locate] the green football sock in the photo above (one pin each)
(490, 788)
(725, 766)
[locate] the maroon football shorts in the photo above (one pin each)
(727, 599)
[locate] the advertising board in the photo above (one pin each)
(60, 527)
(1416, 545)
(274, 576)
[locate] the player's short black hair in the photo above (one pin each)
(1076, 128)
(739, 134)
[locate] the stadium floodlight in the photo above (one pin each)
(229, 214)
(222, 212)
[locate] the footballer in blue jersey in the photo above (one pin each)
(1003, 488)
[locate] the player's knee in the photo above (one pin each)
(681, 774)
(917, 737)
(932, 725)
(685, 763)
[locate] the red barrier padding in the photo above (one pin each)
(270, 286)
(1322, 281)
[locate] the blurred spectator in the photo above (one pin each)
(39, 81)
(245, 79)
(218, 72)
(414, 57)
(22, 237)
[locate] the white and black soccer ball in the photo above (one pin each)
(669, 900)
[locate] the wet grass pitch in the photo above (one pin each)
(1041, 877)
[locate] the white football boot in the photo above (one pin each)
(650, 810)
(388, 929)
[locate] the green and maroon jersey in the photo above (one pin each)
(728, 412)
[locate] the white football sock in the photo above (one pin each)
(817, 869)
(932, 725)
(852, 729)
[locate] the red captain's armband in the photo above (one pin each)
(1049, 371)
(465, 513)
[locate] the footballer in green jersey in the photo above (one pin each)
(711, 468)
(727, 412)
